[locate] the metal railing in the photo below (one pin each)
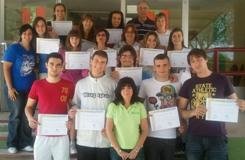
(3, 98)
(215, 61)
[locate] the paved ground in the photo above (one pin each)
(237, 129)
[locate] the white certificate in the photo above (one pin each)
(77, 60)
(147, 55)
(134, 72)
(47, 45)
(62, 28)
(90, 120)
(164, 118)
(223, 110)
(178, 58)
(112, 57)
(52, 124)
(115, 35)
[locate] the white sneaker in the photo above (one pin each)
(73, 149)
(12, 150)
(27, 149)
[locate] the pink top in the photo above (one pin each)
(73, 75)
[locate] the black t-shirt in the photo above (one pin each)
(196, 90)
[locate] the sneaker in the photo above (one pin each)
(27, 149)
(73, 149)
(12, 150)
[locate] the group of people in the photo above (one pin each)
(127, 133)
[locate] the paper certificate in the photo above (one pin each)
(90, 120)
(178, 59)
(52, 124)
(77, 60)
(223, 110)
(112, 57)
(115, 35)
(147, 55)
(62, 28)
(47, 45)
(164, 119)
(134, 72)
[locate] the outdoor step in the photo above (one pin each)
(3, 127)
(4, 116)
(3, 136)
(20, 155)
(3, 121)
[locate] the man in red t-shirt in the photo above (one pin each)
(53, 96)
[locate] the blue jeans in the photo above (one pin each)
(211, 148)
(159, 149)
(115, 156)
(19, 132)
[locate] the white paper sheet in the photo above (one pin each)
(183, 76)
(47, 45)
(222, 110)
(164, 119)
(90, 120)
(134, 72)
(77, 60)
(178, 58)
(112, 57)
(62, 28)
(147, 55)
(52, 124)
(115, 35)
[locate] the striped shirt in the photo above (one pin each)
(143, 28)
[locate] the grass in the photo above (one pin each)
(3, 145)
(236, 148)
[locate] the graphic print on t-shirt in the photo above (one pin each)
(64, 94)
(166, 96)
(200, 93)
(27, 65)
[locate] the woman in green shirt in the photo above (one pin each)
(126, 123)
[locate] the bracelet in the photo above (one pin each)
(10, 88)
(137, 149)
(119, 150)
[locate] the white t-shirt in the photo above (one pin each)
(156, 97)
(164, 37)
(96, 94)
(183, 74)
